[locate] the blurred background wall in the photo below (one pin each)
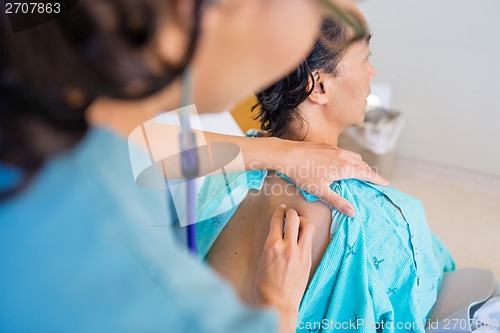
(441, 61)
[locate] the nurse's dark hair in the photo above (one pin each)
(278, 104)
(50, 73)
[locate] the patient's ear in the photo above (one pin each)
(318, 95)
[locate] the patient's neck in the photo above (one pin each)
(314, 129)
(330, 137)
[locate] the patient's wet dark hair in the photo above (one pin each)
(278, 103)
(50, 73)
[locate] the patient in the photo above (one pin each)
(383, 265)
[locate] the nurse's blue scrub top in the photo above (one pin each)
(84, 249)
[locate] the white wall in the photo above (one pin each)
(442, 61)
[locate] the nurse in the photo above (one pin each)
(82, 247)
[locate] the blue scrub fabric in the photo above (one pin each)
(381, 271)
(84, 249)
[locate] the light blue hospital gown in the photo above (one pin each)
(382, 266)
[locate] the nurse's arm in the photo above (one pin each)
(311, 166)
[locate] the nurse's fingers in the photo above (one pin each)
(277, 223)
(337, 201)
(364, 172)
(355, 167)
(292, 226)
(306, 234)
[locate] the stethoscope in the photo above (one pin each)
(189, 161)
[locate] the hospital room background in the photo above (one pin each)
(438, 65)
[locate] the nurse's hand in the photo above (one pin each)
(314, 166)
(285, 265)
